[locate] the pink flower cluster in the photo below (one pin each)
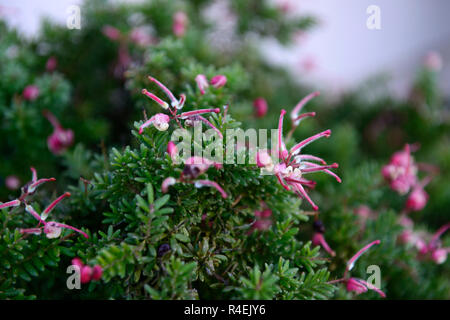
(218, 81)
(401, 174)
(293, 165)
(52, 229)
(88, 273)
(431, 250)
(161, 121)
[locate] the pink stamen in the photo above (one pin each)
(181, 102)
(201, 183)
(319, 168)
(166, 91)
(162, 103)
(280, 135)
(34, 174)
(318, 237)
(307, 141)
(187, 114)
(303, 193)
(52, 119)
(31, 230)
(439, 233)
(302, 103)
(305, 115)
(310, 157)
(146, 124)
(36, 184)
(35, 215)
(372, 287)
(62, 225)
(211, 125)
(13, 203)
(280, 180)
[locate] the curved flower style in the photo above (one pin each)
(318, 238)
(161, 120)
(355, 284)
(294, 165)
(194, 167)
(27, 189)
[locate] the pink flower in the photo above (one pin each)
(161, 121)
(30, 93)
(260, 106)
(141, 37)
(111, 32)
(179, 24)
(12, 182)
(401, 172)
(417, 199)
(202, 83)
(433, 61)
(51, 229)
(294, 165)
(218, 81)
(355, 284)
(61, 138)
(51, 64)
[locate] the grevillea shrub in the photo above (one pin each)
(120, 208)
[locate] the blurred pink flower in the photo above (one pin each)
(179, 24)
(61, 138)
(260, 106)
(30, 93)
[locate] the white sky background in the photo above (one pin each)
(344, 51)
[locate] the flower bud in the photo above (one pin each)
(167, 183)
(439, 255)
(51, 64)
(97, 272)
(12, 182)
(30, 93)
(417, 199)
(86, 274)
(218, 81)
(202, 83)
(172, 150)
(260, 106)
